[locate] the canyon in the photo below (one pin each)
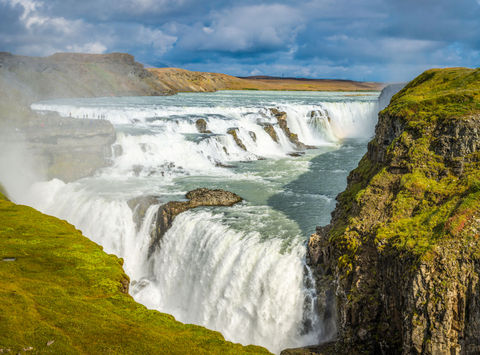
(396, 269)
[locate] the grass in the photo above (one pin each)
(428, 203)
(438, 94)
(63, 295)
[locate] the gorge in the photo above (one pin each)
(242, 269)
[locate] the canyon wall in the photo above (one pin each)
(66, 148)
(400, 261)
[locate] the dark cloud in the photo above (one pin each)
(362, 39)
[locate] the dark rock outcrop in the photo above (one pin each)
(196, 198)
(234, 133)
(281, 117)
(139, 206)
(402, 252)
(324, 349)
(201, 125)
(271, 131)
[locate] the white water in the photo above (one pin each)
(238, 270)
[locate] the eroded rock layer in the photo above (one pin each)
(402, 252)
(196, 198)
(68, 149)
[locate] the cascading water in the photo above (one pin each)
(239, 270)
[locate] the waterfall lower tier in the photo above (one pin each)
(206, 273)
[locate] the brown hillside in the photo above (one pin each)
(191, 81)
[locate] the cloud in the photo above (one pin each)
(245, 29)
(363, 39)
(90, 47)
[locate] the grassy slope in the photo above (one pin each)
(428, 204)
(62, 287)
(190, 81)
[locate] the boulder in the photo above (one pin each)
(201, 125)
(196, 198)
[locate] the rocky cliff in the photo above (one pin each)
(401, 256)
(28, 79)
(66, 148)
(58, 147)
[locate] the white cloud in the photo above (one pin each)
(246, 28)
(157, 39)
(30, 15)
(91, 47)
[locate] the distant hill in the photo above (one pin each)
(24, 80)
(191, 81)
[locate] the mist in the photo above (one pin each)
(19, 169)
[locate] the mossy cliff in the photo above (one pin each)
(61, 294)
(400, 261)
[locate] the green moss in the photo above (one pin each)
(62, 294)
(426, 203)
(3, 194)
(438, 94)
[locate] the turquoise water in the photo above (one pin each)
(239, 270)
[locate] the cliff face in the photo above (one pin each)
(66, 148)
(402, 252)
(30, 79)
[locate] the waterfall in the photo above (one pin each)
(224, 268)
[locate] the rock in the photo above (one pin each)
(323, 349)
(196, 198)
(402, 252)
(117, 150)
(296, 154)
(222, 165)
(139, 206)
(253, 135)
(201, 125)
(271, 131)
(50, 342)
(234, 133)
(64, 148)
(281, 117)
(318, 113)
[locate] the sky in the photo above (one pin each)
(373, 40)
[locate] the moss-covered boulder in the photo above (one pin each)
(61, 294)
(402, 253)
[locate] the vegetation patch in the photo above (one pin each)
(61, 294)
(415, 199)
